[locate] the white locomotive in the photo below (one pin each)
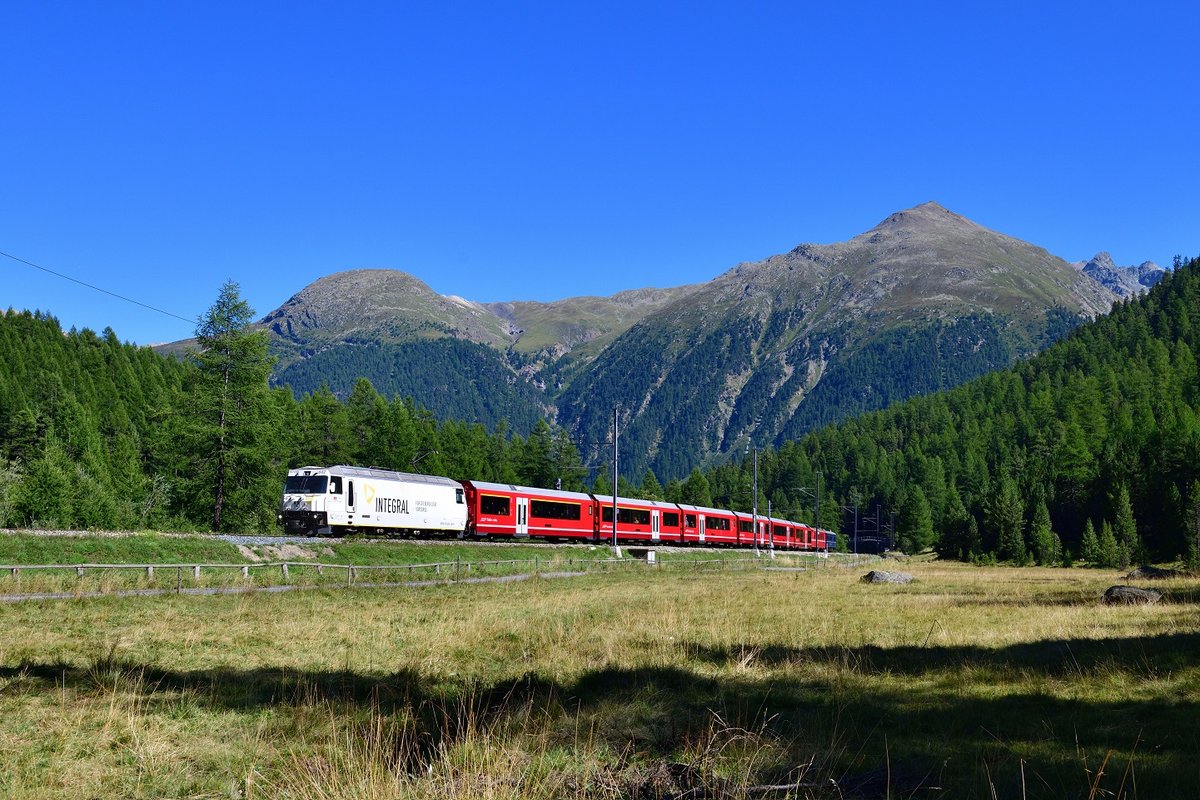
(323, 500)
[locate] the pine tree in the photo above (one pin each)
(650, 489)
(1007, 521)
(1108, 550)
(229, 464)
(1046, 545)
(1089, 546)
(535, 465)
(915, 522)
(1126, 527)
(696, 490)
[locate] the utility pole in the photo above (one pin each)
(856, 522)
(754, 506)
(770, 530)
(616, 433)
(811, 492)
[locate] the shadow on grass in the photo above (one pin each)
(874, 712)
(1136, 657)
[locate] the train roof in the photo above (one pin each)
(606, 499)
(508, 487)
(377, 474)
(705, 509)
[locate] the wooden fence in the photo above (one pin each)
(446, 571)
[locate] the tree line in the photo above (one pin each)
(97, 434)
(1088, 451)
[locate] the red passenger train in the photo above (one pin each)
(344, 499)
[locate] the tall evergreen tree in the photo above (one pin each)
(650, 489)
(696, 490)
(1089, 546)
(1125, 528)
(915, 523)
(1007, 521)
(1109, 549)
(231, 425)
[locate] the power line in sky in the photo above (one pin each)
(97, 288)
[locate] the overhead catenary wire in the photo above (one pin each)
(97, 288)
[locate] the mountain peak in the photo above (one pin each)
(929, 217)
(1102, 260)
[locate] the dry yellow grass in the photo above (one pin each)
(609, 686)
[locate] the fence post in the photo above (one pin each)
(320, 569)
(457, 567)
(149, 573)
(245, 572)
(349, 574)
(535, 565)
(284, 568)
(79, 572)
(178, 580)
(16, 572)
(196, 572)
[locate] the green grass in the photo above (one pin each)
(409, 561)
(987, 680)
(137, 548)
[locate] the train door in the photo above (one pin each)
(654, 524)
(522, 516)
(700, 523)
(350, 497)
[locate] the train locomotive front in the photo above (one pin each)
(325, 500)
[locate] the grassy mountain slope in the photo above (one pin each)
(924, 300)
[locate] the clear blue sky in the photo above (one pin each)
(544, 150)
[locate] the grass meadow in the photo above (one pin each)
(970, 682)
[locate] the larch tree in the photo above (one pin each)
(230, 430)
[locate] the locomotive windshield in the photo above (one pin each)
(306, 484)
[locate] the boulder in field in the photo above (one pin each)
(1130, 595)
(1153, 574)
(881, 576)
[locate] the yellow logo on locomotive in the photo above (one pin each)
(369, 493)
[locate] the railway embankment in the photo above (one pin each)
(83, 564)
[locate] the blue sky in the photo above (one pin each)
(545, 150)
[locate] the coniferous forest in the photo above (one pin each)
(103, 435)
(1089, 451)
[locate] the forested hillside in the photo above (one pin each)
(1091, 449)
(103, 435)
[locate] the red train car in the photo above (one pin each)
(746, 534)
(500, 509)
(782, 535)
(717, 526)
(638, 520)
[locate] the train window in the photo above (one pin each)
(491, 504)
(627, 516)
(633, 516)
(670, 519)
(745, 526)
(780, 530)
(335, 484)
(689, 520)
(458, 496)
(305, 484)
(716, 523)
(548, 509)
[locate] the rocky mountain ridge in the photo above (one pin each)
(1123, 281)
(923, 300)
